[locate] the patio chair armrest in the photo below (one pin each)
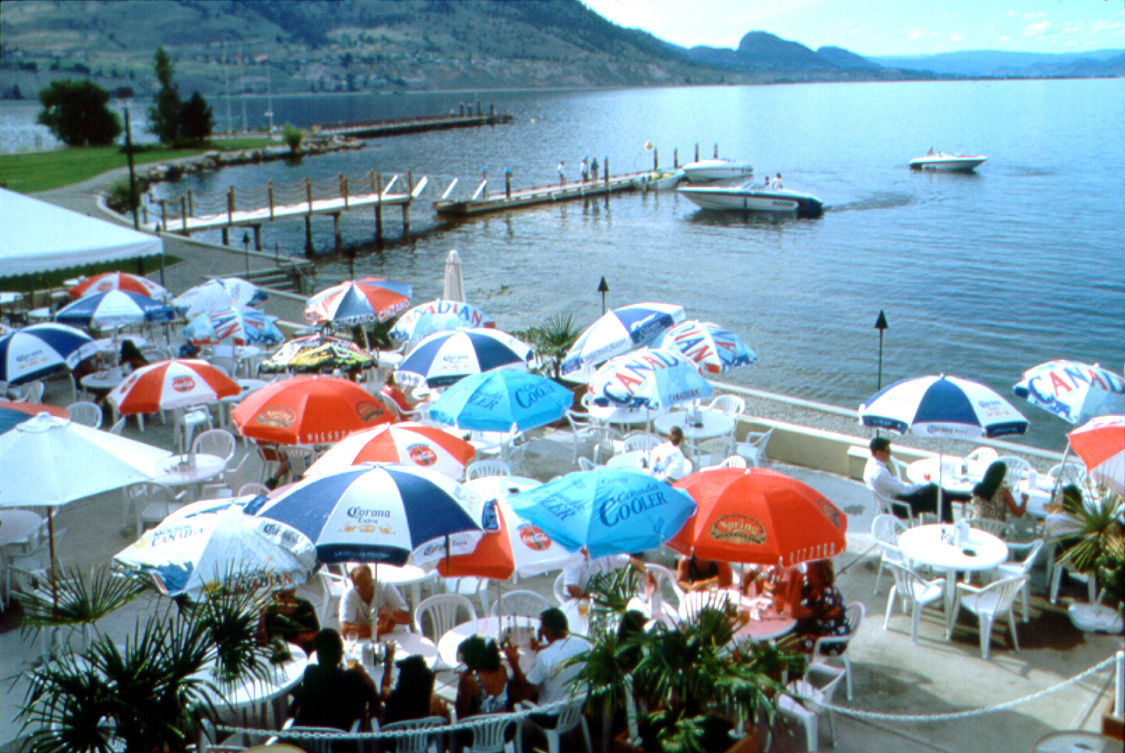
(969, 588)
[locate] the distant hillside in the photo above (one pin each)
(990, 63)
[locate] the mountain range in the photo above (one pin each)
(414, 45)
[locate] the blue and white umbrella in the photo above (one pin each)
(40, 349)
(502, 400)
(619, 331)
(1073, 391)
(192, 554)
(651, 378)
(115, 308)
(221, 292)
(446, 357)
(439, 316)
(942, 406)
(380, 513)
(237, 325)
(608, 511)
(713, 349)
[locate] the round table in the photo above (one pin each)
(616, 414)
(761, 629)
(488, 627)
(493, 487)
(406, 575)
(952, 475)
(925, 544)
(103, 381)
(1073, 741)
(713, 424)
(248, 697)
(633, 461)
(170, 472)
(405, 642)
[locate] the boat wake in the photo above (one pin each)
(875, 201)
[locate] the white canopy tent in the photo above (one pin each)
(41, 237)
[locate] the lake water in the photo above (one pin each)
(981, 275)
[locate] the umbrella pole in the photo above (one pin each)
(375, 617)
(51, 542)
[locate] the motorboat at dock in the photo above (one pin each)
(950, 163)
(749, 198)
(659, 180)
(709, 170)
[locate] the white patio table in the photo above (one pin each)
(249, 699)
(761, 628)
(634, 460)
(174, 472)
(493, 487)
(956, 477)
(710, 424)
(933, 545)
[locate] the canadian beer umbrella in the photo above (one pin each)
(1073, 391)
(439, 316)
(651, 378)
(714, 350)
(619, 331)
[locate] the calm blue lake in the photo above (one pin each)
(980, 275)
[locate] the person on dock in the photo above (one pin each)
(561, 167)
(594, 168)
(584, 169)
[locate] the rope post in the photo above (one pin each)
(371, 175)
(183, 214)
(190, 203)
(163, 216)
(344, 189)
(378, 208)
(230, 206)
(308, 193)
(697, 151)
(675, 158)
(715, 153)
(605, 164)
(269, 189)
(655, 158)
(409, 198)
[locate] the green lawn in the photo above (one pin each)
(42, 171)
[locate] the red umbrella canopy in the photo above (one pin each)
(1101, 444)
(174, 383)
(119, 281)
(407, 442)
(760, 516)
(308, 410)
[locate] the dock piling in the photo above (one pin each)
(406, 206)
(183, 213)
(655, 158)
(715, 153)
(257, 237)
(697, 151)
(269, 189)
(308, 193)
(676, 158)
(336, 231)
(230, 205)
(308, 236)
(379, 209)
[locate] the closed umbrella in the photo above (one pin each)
(453, 286)
(651, 378)
(1101, 445)
(441, 315)
(714, 350)
(371, 299)
(308, 410)
(114, 309)
(408, 443)
(41, 349)
(502, 400)
(446, 357)
(222, 292)
(175, 383)
(1073, 391)
(234, 325)
(107, 281)
(619, 331)
(608, 511)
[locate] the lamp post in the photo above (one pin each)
(246, 248)
(881, 325)
(603, 288)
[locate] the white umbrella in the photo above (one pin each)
(454, 287)
(222, 292)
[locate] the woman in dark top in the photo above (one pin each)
(992, 498)
(484, 684)
(695, 574)
(131, 356)
(329, 695)
(821, 611)
(413, 695)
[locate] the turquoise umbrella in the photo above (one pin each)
(502, 400)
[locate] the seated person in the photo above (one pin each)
(993, 499)
(483, 688)
(577, 577)
(550, 675)
(921, 497)
(821, 610)
(131, 356)
(329, 695)
(695, 574)
(413, 694)
(760, 581)
(667, 460)
(363, 598)
(289, 619)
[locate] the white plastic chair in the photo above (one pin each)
(1020, 568)
(118, 426)
(807, 699)
(987, 603)
(469, 586)
(186, 421)
(422, 737)
(1070, 472)
(885, 529)
(640, 441)
(332, 585)
(485, 468)
(253, 487)
(734, 461)
(667, 596)
(152, 503)
(981, 458)
(569, 717)
(559, 589)
(585, 464)
(218, 442)
(753, 448)
(32, 392)
(913, 590)
(728, 405)
(1018, 468)
(440, 613)
(490, 731)
(86, 413)
(583, 429)
(854, 615)
(520, 603)
(996, 527)
(712, 451)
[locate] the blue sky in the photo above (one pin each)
(882, 27)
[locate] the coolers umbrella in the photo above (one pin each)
(502, 400)
(619, 331)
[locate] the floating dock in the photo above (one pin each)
(483, 202)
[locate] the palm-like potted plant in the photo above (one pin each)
(1098, 551)
(551, 340)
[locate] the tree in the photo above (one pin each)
(164, 115)
(292, 135)
(196, 119)
(76, 113)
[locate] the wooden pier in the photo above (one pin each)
(483, 202)
(377, 128)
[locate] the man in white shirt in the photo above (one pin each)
(365, 598)
(921, 497)
(576, 577)
(550, 676)
(667, 460)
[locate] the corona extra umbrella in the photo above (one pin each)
(370, 299)
(714, 350)
(41, 349)
(760, 516)
(1101, 445)
(439, 316)
(308, 410)
(107, 281)
(619, 331)
(113, 309)
(1073, 391)
(446, 357)
(175, 383)
(408, 443)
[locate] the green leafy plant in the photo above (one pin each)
(1100, 546)
(551, 340)
(292, 136)
(77, 598)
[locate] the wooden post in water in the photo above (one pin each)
(697, 151)
(336, 231)
(344, 189)
(257, 236)
(269, 188)
(163, 216)
(379, 209)
(507, 182)
(230, 206)
(409, 199)
(308, 193)
(190, 204)
(715, 153)
(605, 164)
(183, 214)
(676, 158)
(308, 236)
(226, 236)
(655, 158)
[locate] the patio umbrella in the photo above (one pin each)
(308, 410)
(316, 353)
(175, 383)
(234, 325)
(408, 443)
(41, 349)
(191, 554)
(502, 400)
(619, 331)
(760, 516)
(107, 281)
(942, 406)
(1101, 445)
(379, 513)
(608, 511)
(446, 357)
(453, 286)
(713, 349)
(652, 378)
(371, 299)
(12, 413)
(442, 315)
(221, 292)
(1073, 391)
(113, 309)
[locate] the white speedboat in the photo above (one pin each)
(659, 180)
(708, 170)
(750, 198)
(950, 163)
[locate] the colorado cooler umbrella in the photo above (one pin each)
(371, 299)
(114, 309)
(317, 352)
(191, 554)
(1101, 445)
(608, 511)
(12, 413)
(379, 513)
(619, 331)
(446, 357)
(408, 443)
(714, 350)
(502, 400)
(1073, 391)
(760, 516)
(175, 383)
(942, 407)
(650, 378)
(218, 293)
(308, 410)
(441, 315)
(41, 349)
(233, 325)
(107, 281)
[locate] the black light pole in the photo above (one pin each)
(603, 288)
(132, 171)
(881, 325)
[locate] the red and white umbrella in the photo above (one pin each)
(171, 384)
(1101, 445)
(409, 443)
(371, 299)
(108, 281)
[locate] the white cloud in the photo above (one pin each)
(1034, 30)
(914, 34)
(1012, 14)
(956, 38)
(1005, 37)
(1036, 14)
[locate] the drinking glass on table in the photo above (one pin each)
(583, 607)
